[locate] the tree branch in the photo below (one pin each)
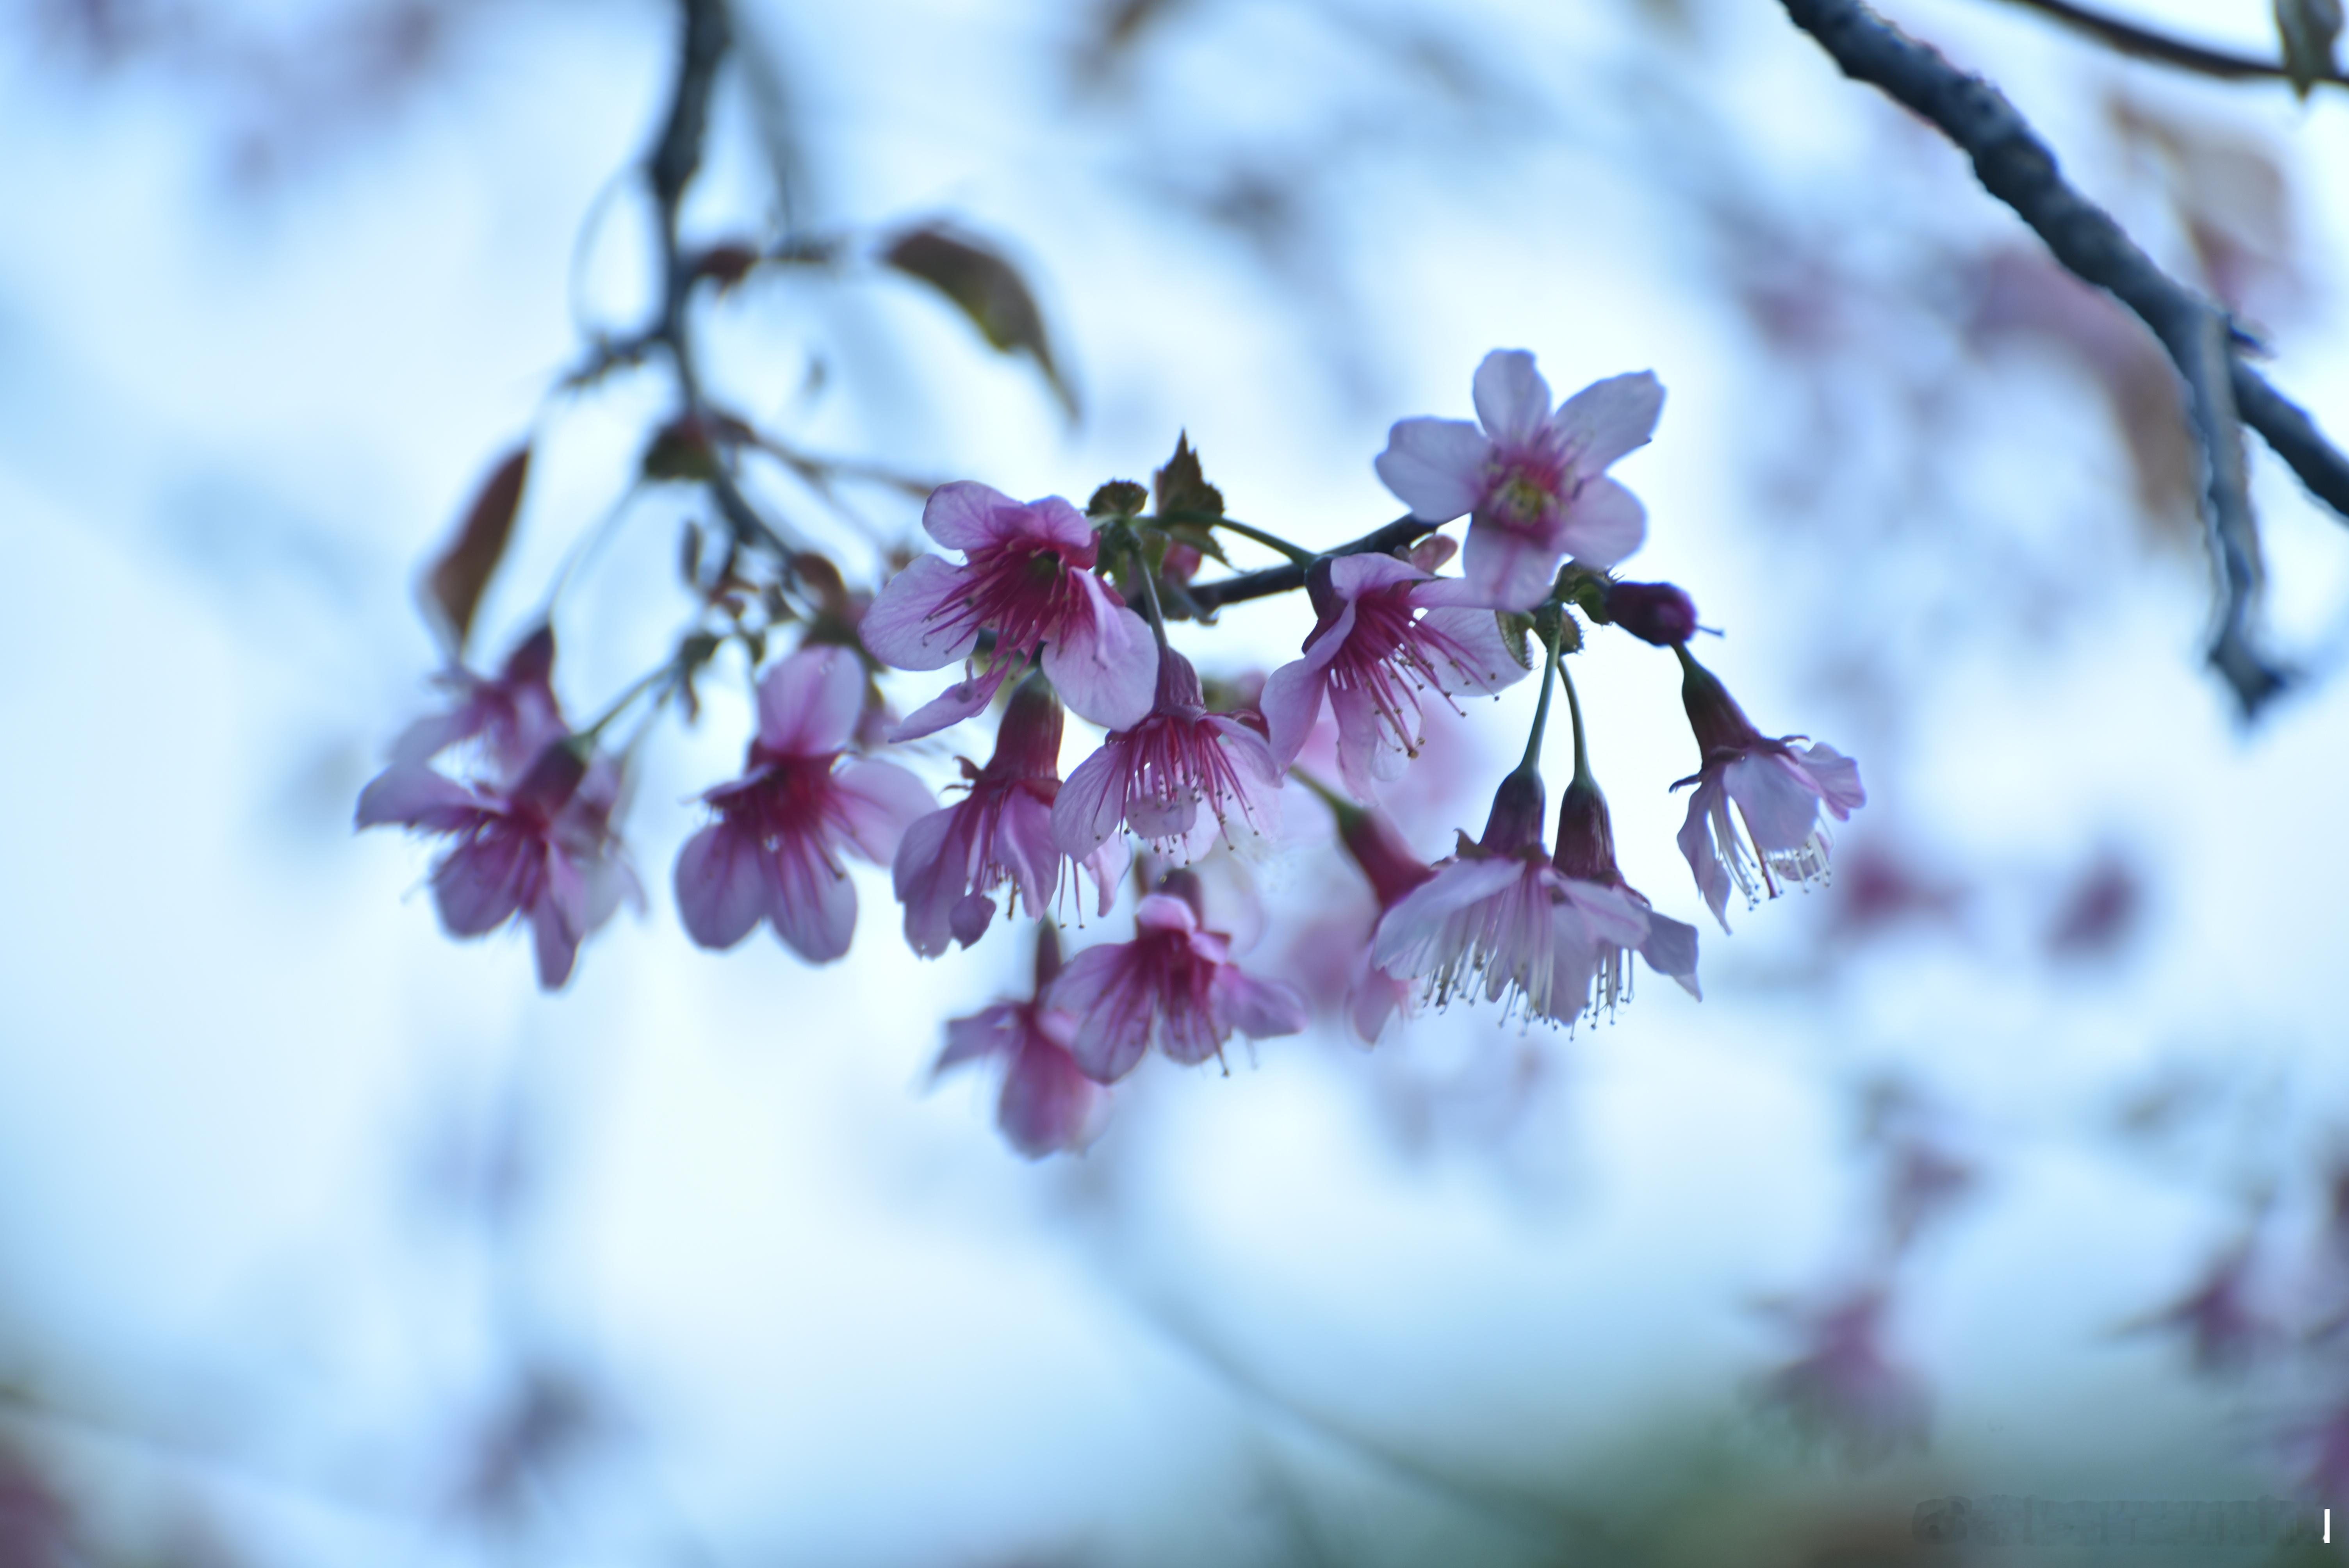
(2146, 44)
(1209, 597)
(2017, 168)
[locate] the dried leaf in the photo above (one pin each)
(1180, 487)
(2308, 28)
(1119, 498)
(453, 586)
(988, 289)
(1516, 636)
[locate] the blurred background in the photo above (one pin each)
(2014, 1161)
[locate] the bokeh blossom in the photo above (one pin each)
(1500, 916)
(774, 853)
(542, 849)
(951, 861)
(1155, 777)
(1532, 483)
(513, 714)
(1175, 985)
(1384, 632)
(1047, 1104)
(1028, 579)
(1844, 1391)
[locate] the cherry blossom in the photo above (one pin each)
(1531, 482)
(1844, 1390)
(1385, 630)
(541, 849)
(1779, 788)
(1027, 578)
(1047, 1104)
(1155, 777)
(1498, 913)
(513, 714)
(950, 862)
(1586, 852)
(774, 853)
(1174, 984)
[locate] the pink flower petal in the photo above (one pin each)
(723, 885)
(1475, 658)
(813, 907)
(876, 802)
(1048, 1104)
(995, 1032)
(931, 873)
(1609, 419)
(1670, 949)
(967, 515)
(910, 624)
(1435, 467)
(1259, 1009)
(414, 795)
(1776, 798)
(483, 881)
(1291, 701)
(556, 946)
(1696, 844)
(1366, 571)
(1113, 1016)
(1605, 524)
(1092, 802)
(1405, 940)
(970, 917)
(809, 702)
(952, 705)
(1108, 673)
(1838, 776)
(1512, 398)
(1506, 569)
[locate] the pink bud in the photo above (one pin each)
(1585, 837)
(1654, 612)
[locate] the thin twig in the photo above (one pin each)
(1212, 596)
(2146, 44)
(2017, 168)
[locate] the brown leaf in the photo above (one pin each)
(988, 289)
(453, 586)
(2308, 28)
(1181, 487)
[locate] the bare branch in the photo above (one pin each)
(2146, 44)
(1209, 597)
(2017, 168)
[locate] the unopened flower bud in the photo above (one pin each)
(1719, 723)
(1585, 837)
(1028, 743)
(1654, 612)
(1516, 822)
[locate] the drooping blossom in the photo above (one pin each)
(950, 862)
(1533, 483)
(774, 851)
(1499, 914)
(1778, 787)
(2225, 1326)
(1844, 1390)
(513, 714)
(1155, 775)
(1048, 1104)
(542, 849)
(1175, 985)
(1385, 631)
(1027, 578)
(1586, 852)
(1330, 954)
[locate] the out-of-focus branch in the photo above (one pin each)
(2148, 44)
(2016, 166)
(1210, 597)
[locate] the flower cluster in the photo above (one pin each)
(1052, 611)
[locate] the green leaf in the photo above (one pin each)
(1180, 487)
(988, 289)
(1517, 633)
(454, 583)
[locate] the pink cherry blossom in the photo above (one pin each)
(514, 715)
(542, 849)
(1531, 482)
(774, 853)
(1386, 631)
(1586, 852)
(951, 861)
(1174, 984)
(1499, 915)
(1047, 1104)
(1028, 578)
(1155, 777)
(1779, 789)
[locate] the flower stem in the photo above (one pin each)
(1541, 709)
(1150, 592)
(670, 670)
(1574, 710)
(1297, 553)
